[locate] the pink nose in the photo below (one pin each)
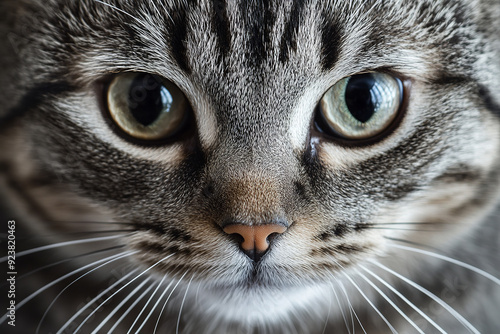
(255, 237)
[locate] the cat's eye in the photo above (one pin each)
(361, 106)
(146, 107)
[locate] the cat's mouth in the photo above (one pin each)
(228, 267)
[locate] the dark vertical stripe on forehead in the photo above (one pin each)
(220, 24)
(178, 33)
(331, 36)
(289, 39)
(259, 21)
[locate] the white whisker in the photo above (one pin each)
(438, 300)
(77, 279)
(380, 292)
(350, 307)
(119, 306)
(450, 260)
(123, 287)
(400, 295)
(131, 307)
(329, 312)
(80, 311)
(69, 259)
(341, 309)
(158, 300)
(49, 285)
(120, 10)
(163, 7)
(166, 301)
(63, 244)
(182, 305)
(138, 316)
(166, 10)
(371, 304)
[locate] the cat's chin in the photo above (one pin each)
(257, 304)
(241, 276)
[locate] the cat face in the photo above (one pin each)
(261, 167)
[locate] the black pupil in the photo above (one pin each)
(145, 99)
(359, 99)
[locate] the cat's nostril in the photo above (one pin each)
(255, 238)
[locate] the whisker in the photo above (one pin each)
(371, 304)
(63, 233)
(47, 286)
(166, 301)
(163, 7)
(329, 312)
(182, 305)
(407, 242)
(401, 229)
(162, 4)
(123, 287)
(154, 306)
(62, 244)
(402, 226)
(89, 222)
(96, 298)
(400, 295)
(119, 306)
(137, 317)
(341, 309)
(67, 260)
(380, 292)
(76, 280)
(120, 10)
(131, 307)
(351, 308)
(438, 300)
(450, 260)
(406, 223)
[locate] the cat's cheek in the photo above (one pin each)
(301, 256)
(51, 199)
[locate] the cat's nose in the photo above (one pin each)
(255, 237)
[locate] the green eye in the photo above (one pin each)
(146, 107)
(361, 106)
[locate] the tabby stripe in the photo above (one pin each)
(35, 96)
(259, 22)
(488, 101)
(289, 39)
(178, 35)
(446, 78)
(331, 36)
(459, 173)
(483, 92)
(220, 24)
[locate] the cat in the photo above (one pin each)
(250, 166)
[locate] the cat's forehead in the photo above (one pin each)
(260, 39)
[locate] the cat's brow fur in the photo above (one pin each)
(254, 72)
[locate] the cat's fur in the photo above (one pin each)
(253, 72)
